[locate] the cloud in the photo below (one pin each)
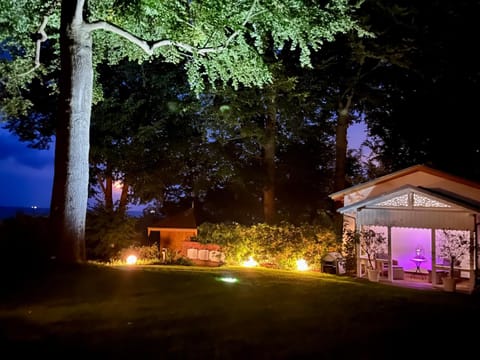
(26, 174)
(11, 149)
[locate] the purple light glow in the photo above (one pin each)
(405, 243)
(412, 248)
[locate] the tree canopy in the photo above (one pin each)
(221, 41)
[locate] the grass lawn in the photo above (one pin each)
(168, 312)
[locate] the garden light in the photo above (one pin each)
(302, 265)
(131, 259)
(250, 262)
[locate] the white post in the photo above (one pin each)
(434, 256)
(389, 244)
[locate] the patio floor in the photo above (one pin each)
(461, 287)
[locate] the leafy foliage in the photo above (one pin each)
(106, 233)
(371, 243)
(278, 246)
(145, 254)
(454, 246)
(422, 93)
(349, 251)
(150, 255)
(221, 41)
(144, 131)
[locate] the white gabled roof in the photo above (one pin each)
(420, 176)
(412, 197)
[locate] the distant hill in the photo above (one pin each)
(7, 212)
(12, 211)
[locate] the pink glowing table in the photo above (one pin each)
(418, 262)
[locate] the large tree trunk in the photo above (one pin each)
(70, 185)
(341, 146)
(108, 194)
(123, 203)
(269, 209)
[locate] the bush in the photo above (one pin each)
(151, 255)
(107, 232)
(175, 258)
(278, 246)
(25, 239)
(144, 254)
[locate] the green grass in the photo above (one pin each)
(171, 312)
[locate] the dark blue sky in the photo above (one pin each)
(26, 175)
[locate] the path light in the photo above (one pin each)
(228, 279)
(302, 265)
(131, 260)
(250, 262)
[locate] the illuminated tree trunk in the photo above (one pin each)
(70, 185)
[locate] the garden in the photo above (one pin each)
(178, 312)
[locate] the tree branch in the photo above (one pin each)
(78, 17)
(150, 46)
(41, 37)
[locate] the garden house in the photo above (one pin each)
(176, 234)
(413, 209)
(175, 230)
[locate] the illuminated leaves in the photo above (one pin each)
(232, 32)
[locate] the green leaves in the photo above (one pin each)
(220, 40)
(278, 246)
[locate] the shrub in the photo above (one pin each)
(454, 245)
(371, 244)
(144, 254)
(151, 255)
(26, 239)
(175, 258)
(108, 232)
(277, 246)
(349, 251)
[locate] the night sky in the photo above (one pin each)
(26, 175)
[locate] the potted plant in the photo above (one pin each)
(454, 247)
(371, 244)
